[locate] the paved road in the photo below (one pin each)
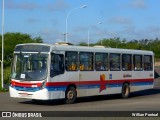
(147, 100)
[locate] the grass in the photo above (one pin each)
(6, 78)
(3, 90)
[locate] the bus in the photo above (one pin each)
(64, 71)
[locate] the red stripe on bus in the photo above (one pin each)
(98, 82)
(21, 84)
(13, 83)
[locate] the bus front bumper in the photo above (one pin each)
(43, 94)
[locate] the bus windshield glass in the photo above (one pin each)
(29, 67)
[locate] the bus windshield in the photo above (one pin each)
(29, 66)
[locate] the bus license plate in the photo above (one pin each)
(23, 94)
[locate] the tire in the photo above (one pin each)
(70, 95)
(125, 91)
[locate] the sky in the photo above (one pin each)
(129, 19)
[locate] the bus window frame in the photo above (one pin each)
(147, 62)
(141, 69)
(131, 61)
(63, 65)
(120, 61)
(92, 62)
(107, 65)
(77, 62)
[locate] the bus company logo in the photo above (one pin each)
(6, 114)
(102, 83)
(127, 75)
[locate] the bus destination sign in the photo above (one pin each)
(32, 48)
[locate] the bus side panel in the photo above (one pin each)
(142, 80)
(110, 83)
(60, 83)
(86, 83)
(89, 83)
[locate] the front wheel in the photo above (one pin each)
(70, 95)
(125, 91)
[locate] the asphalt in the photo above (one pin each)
(147, 100)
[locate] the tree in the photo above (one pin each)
(83, 44)
(143, 44)
(11, 40)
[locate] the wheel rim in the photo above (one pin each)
(70, 95)
(126, 90)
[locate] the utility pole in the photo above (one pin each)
(2, 73)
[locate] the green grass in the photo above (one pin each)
(7, 72)
(3, 90)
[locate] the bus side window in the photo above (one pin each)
(71, 61)
(137, 61)
(126, 62)
(148, 64)
(86, 61)
(101, 61)
(114, 61)
(57, 64)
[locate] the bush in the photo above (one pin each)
(7, 72)
(3, 90)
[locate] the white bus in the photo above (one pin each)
(45, 72)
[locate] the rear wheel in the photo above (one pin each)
(125, 91)
(70, 95)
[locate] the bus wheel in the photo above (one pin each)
(125, 91)
(70, 95)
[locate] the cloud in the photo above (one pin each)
(80, 29)
(24, 5)
(55, 22)
(135, 4)
(47, 31)
(138, 4)
(120, 20)
(154, 29)
(32, 20)
(131, 32)
(58, 5)
(51, 36)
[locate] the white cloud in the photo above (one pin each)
(32, 20)
(120, 20)
(58, 5)
(11, 4)
(138, 4)
(55, 22)
(154, 29)
(47, 31)
(80, 29)
(131, 32)
(51, 35)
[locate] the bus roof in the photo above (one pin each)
(54, 47)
